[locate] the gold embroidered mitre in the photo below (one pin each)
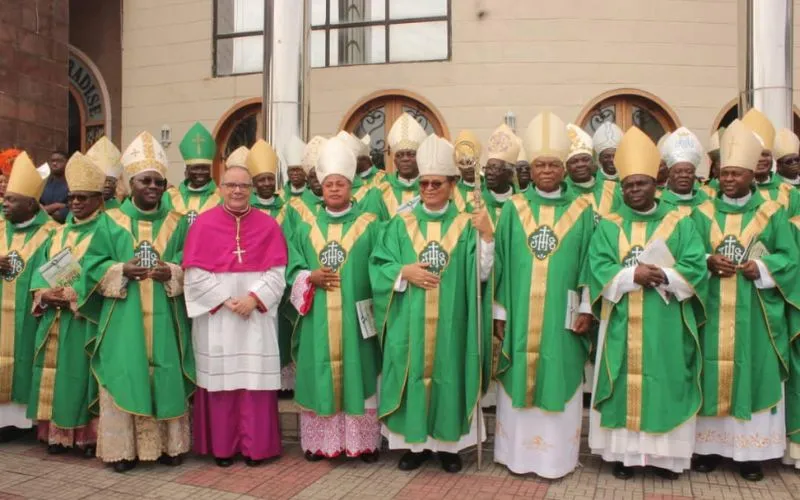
(637, 154)
(786, 143)
(503, 145)
(262, 159)
(237, 158)
(405, 133)
(105, 155)
(579, 141)
(739, 147)
(144, 154)
(546, 135)
(758, 122)
(467, 148)
(311, 152)
(25, 180)
(83, 174)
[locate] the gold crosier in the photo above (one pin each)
(334, 296)
(8, 307)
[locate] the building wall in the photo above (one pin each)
(33, 76)
(94, 28)
(519, 56)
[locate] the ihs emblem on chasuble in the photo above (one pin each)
(333, 256)
(147, 255)
(632, 259)
(17, 266)
(435, 256)
(542, 242)
(732, 249)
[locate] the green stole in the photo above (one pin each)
(784, 193)
(62, 387)
(541, 246)
(337, 368)
(711, 188)
(395, 193)
(26, 249)
(143, 353)
(463, 195)
(288, 195)
(374, 176)
(112, 203)
(604, 195)
(745, 339)
(367, 198)
(432, 374)
(649, 374)
(685, 206)
(191, 202)
(493, 206)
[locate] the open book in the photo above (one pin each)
(656, 253)
(61, 270)
(573, 309)
(755, 250)
(366, 318)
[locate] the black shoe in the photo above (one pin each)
(451, 462)
(224, 462)
(9, 434)
(313, 457)
(411, 461)
(665, 473)
(57, 449)
(170, 461)
(286, 394)
(706, 463)
(370, 457)
(620, 471)
(124, 466)
(89, 452)
(253, 463)
(751, 471)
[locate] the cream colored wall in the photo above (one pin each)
(521, 56)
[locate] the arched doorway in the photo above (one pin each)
(375, 114)
(239, 126)
(628, 107)
(89, 107)
(731, 112)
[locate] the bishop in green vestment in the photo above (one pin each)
(683, 153)
(467, 149)
(142, 357)
(647, 277)
(299, 158)
(105, 155)
(400, 191)
(198, 192)
(603, 194)
(62, 387)
(334, 345)
(604, 142)
(365, 168)
(423, 274)
(753, 261)
(25, 230)
(542, 243)
(787, 157)
(365, 196)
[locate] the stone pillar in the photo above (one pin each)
(33, 76)
(765, 45)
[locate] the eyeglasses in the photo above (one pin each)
(434, 185)
(234, 186)
(80, 198)
(151, 181)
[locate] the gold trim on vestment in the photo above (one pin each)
(361, 192)
(306, 215)
(606, 199)
(390, 199)
(194, 205)
(145, 232)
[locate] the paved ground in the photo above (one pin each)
(26, 471)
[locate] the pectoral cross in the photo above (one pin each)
(238, 252)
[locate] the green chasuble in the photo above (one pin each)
(26, 248)
(685, 205)
(374, 176)
(288, 195)
(792, 387)
(143, 352)
(541, 245)
(62, 387)
(368, 199)
(604, 195)
(191, 202)
(649, 374)
(431, 375)
(745, 339)
(786, 194)
(711, 188)
(112, 203)
(337, 368)
(463, 195)
(396, 193)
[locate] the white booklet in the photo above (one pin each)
(366, 318)
(755, 251)
(61, 270)
(573, 309)
(409, 205)
(656, 253)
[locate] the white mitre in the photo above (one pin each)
(607, 136)
(682, 146)
(311, 153)
(336, 157)
(366, 142)
(293, 152)
(351, 141)
(405, 134)
(579, 141)
(435, 157)
(237, 158)
(144, 154)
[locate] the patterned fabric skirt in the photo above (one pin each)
(339, 434)
(79, 437)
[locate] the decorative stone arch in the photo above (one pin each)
(627, 107)
(240, 125)
(730, 111)
(375, 113)
(89, 94)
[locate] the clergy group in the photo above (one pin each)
(514, 273)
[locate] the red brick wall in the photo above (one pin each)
(33, 75)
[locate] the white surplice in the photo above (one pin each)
(670, 450)
(13, 415)
(232, 352)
